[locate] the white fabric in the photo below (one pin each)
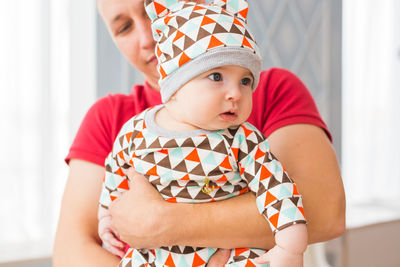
(35, 107)
(371, 110)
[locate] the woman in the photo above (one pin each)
(297, 135)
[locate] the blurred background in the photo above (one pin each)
(56, 58)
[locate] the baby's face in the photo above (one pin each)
(217, 99)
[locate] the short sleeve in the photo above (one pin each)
(281, 99)
(93, 140)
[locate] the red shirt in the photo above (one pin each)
(280, 99)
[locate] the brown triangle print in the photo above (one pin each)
(171, 144)
(210, 12)
(188, 42)
(176, 51)
(194, 15)
(188, 250)
(155, 144)
(184, 193)
(250, 145)
(285, 178)
(247, 34)
(273, 182)
(142, 145)
(277, 205)
(188, 143)
(235, 29)
(201, 196)
(165, 162)
(219, 29)
(181, 20)
(181, 167)
(221, 148)
(202, 34)
(198, 170)
(215, 172)
(205, 145)
(166, 191)
(121, 140)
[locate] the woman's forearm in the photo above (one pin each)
(307, 155)
(77, 243)
(309, 158)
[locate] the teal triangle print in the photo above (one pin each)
(290, 213)
(182, 262)
(284, 192)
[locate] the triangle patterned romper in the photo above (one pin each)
(196, 167)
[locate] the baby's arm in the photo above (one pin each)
(291, 243)
(115, 182)
(109, 237)
(277, 198)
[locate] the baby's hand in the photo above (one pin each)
(279, 257)
(110, 239)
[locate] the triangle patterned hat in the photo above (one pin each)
(194, 38)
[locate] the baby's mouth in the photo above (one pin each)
(229, 115)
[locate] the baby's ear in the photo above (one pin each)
(158, 8)
(239, 8)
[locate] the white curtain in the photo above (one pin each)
(36, 103)
(371, 101)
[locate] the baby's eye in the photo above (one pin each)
(246, 81)
(215, 77)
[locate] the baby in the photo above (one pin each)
(197, 147)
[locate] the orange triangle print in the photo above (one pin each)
(235, 152)
(244, 12)
(172, 200)
(124, 185)
(197, 261)
(193, 156)
(167, 19)
(164, 151)
(206, 20)
(249, 264)
(214, 42)
(152, 171)
(158, 51)
(183, 59)
(159, 8)
(113, 198)
(301, 209)
(239, 251)
(259, 154)
(246, 43)
(295, 192)
(269, 199)
(163, 75)
(237, 22)
(198, 8)
(178, 35)
(169, 262)
(129, 255)
(222, 179)
(226, 164)
(120, 172)
(185, 178)
(264, 173)
(247, 132)
(274, 220)
(128, 136)
(139, 135)
(121, 155)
